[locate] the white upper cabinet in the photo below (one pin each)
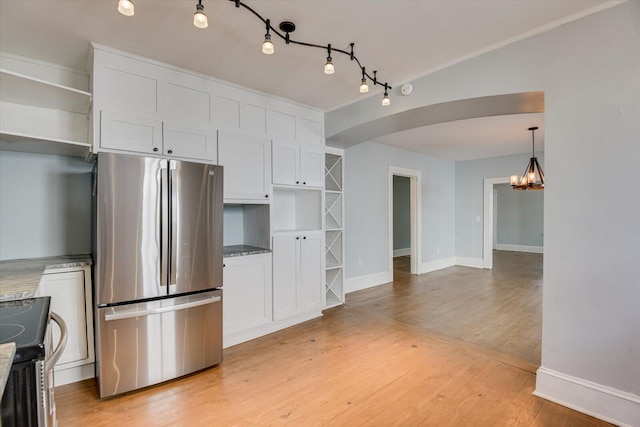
(134, 86)
(247, 167)
(187, 141)
(122, 131)
(298, 164)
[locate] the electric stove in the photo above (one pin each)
(26, 401)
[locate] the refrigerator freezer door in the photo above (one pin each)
(196, 227)
(147, 343)
(129, 215)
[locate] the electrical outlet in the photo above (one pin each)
(477, 218)
(359, 262)
(437, 250)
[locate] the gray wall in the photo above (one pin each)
(367, 200)
(45, 205)
(401, 212)
(470, 177)
(520, 216)
(588, 70)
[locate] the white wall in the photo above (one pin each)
(470, 177)
(520, 217)
(366, 206)
(401, 212)
(45, 205)
(590, 72)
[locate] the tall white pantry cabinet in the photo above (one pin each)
(273, 153)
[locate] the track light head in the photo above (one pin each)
(364, 87)
(385, 100)
(328, 66)
(267, 45)
(126, 8)
(200, 18)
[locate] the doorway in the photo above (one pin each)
(405, 183)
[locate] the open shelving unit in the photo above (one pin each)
(38, 116)
(334, 227)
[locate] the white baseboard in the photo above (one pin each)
(401, 252)
(73, 375)
(369, 281)
(234, 338)
(470, 262)
(438, 264)
(608, 404)
(520, 248)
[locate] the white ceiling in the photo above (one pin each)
(402, 39)
(472, 138)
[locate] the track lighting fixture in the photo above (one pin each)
(364, 87)
(267, 44)
(200, 18)
(126, 8)
(328, 66)
(385, 100)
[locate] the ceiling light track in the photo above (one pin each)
(285, 29)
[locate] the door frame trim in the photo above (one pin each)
(415, 179)
(487, 229)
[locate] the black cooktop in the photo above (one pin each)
(25, 323)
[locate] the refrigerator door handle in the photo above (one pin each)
(130, 314)
(164, 225)
(174, 222)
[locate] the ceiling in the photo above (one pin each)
(402, 39)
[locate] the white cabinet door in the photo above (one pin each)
(189, 142)
(285, 276)
(286, 163)
(247, 166)
(247, 292)
(311, 165)
(71, 299)
(120, 131)
(311, 283)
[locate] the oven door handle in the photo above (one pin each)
(55, 356)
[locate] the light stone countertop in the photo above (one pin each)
(242, 250)
(7, 351)
(20, 278)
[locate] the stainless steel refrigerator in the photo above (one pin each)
(157, 248)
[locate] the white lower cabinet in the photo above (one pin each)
(247, 293)
(70, 292)
(297, 274)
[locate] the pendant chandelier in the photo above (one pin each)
(533, 177)
(200, 20)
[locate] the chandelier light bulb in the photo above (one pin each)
(126, 8)
(364, 87)
(200, 18)
(328, 66)
(267, 45)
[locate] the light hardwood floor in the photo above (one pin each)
(500, 309)
(351, 367)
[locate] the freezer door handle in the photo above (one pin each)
(130, 314)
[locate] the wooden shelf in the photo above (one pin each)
(18, 88)
(13, 141)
